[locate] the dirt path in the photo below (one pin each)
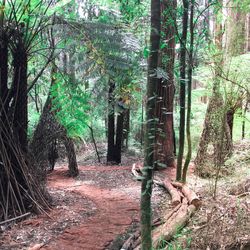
(115, 209)
(89, 212)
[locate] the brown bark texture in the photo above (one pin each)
(164, 151)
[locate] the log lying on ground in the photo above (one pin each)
(135, 240)
(175, 196)
(176, 222)
(185, 202)
(130, 243)
(136, 172)
(191, 196)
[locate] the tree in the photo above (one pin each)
(165, 139)
(147, 182)
(235, 45)
(183, 42)
(215, 130)
(189, 90)
(19, 188)
(48, 130)
(115, 129)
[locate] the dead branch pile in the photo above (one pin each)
(184, 202)
(20, 191)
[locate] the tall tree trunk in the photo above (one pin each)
(244, 119)
(164, 153)
(248, 32)
(182, 89)
(146, 187)
(111, 123)
(20, 103)
(118, 139)
(236, 30)
(4, 104)
(189, 101)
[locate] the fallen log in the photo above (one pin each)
(176, 222)
(136, 172)
(171, 213)
(135, 240)
(130, 242)
(192, 197)
(185, 202)
(175, 196)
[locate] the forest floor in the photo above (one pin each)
(89, 212)
(100, 208)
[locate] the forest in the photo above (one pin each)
(125, 124)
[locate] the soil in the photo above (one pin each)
(100, 208)
(90, 212)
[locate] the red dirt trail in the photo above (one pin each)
(114, 214)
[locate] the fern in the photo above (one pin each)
(71, 106)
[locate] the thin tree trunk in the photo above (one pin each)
(142, 123)
(126, 128)
(244, 120)
(182, 89)
(189, 101)
(147, 182)
(70, 149)
(230, 121)
(94, 142)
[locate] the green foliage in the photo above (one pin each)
(71, 105)
(180, 239)
(132, 9)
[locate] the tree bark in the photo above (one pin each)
(164, 153)
(182, 88)
(236, 30)
(244, 120)
(49, 129)
(119, 134)
(176, 222)
(20, 103)
(111, 123)
(147, 181)
(70, 149)
(126, 128)
(189, 90)
(215, 125)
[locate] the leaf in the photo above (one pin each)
(146, 52)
